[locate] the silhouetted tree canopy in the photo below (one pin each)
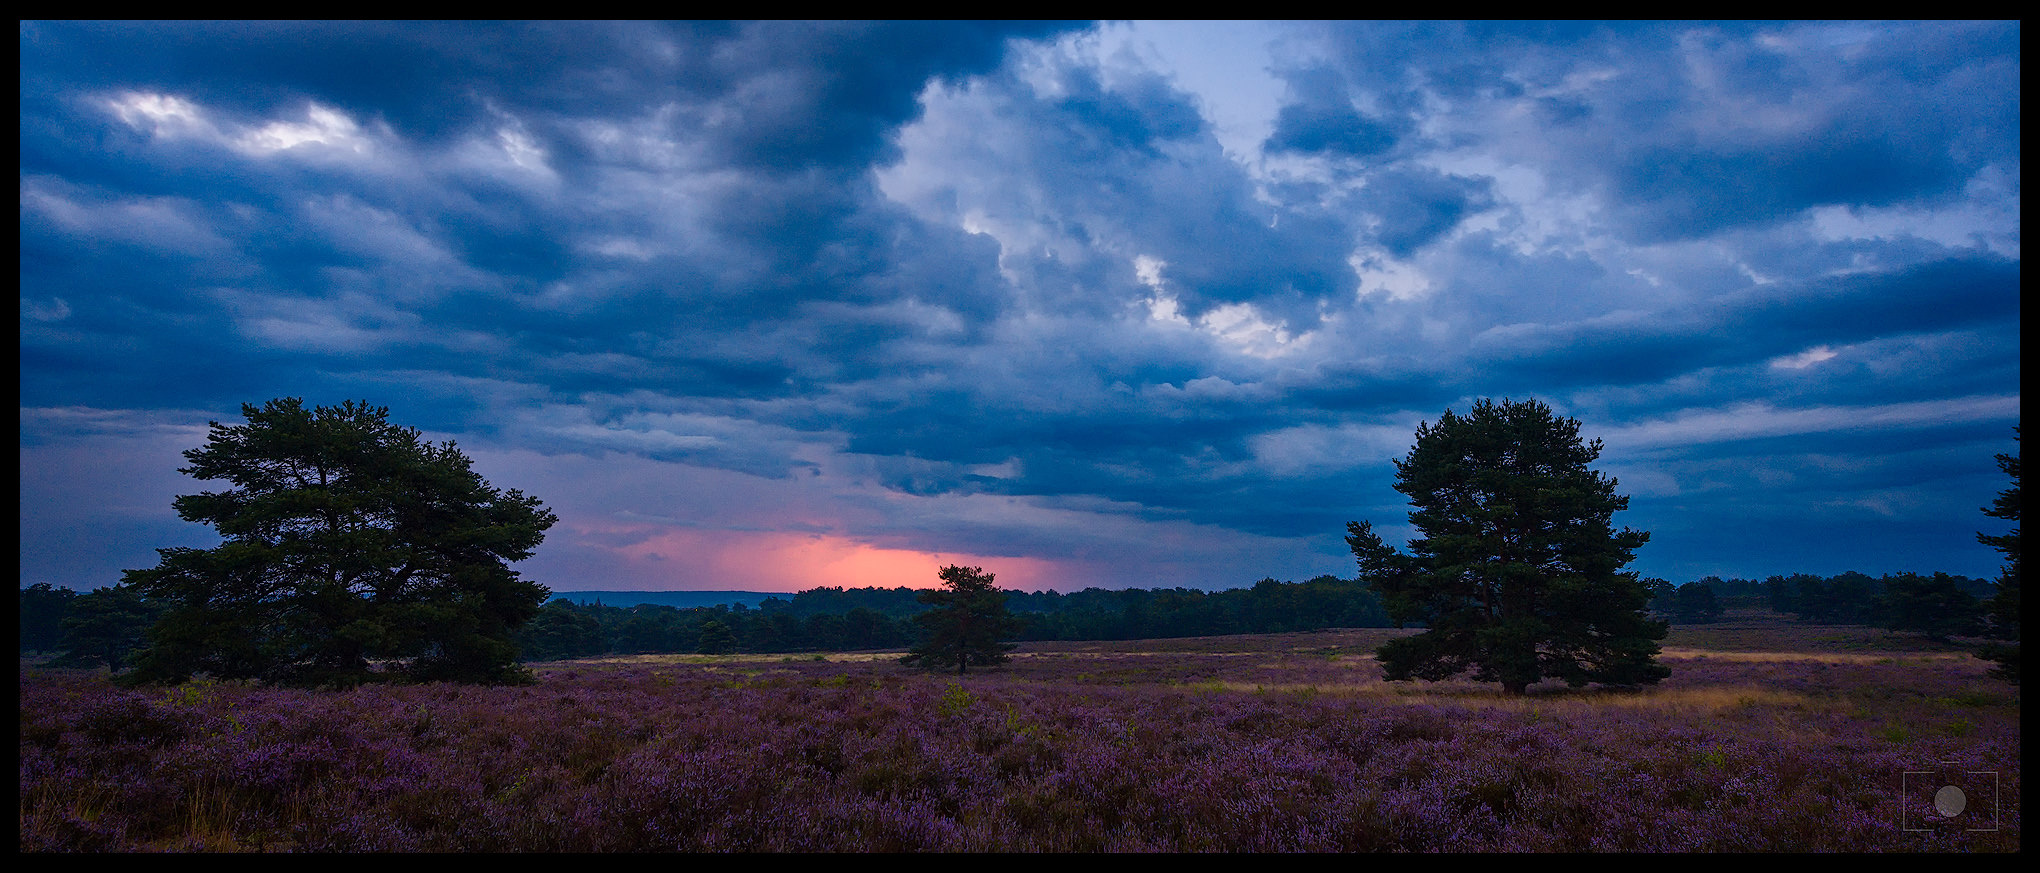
(560, 631)
(1691, 603)
(1932, 606)
(716, 639)
(106, 628)
(43, 609)
(968, 624)
(348, 541)
(2003, 608)
(1518, 574)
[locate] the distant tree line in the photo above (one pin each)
(833, 618)
(1691, 603)
(106, 626)
(1939, 605)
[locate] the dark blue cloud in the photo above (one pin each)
(997, 289)
(1136, 118)
(1329, 130)
(1416, 207)
(810, 93)
(1120, 167)
(783, 240)
(1704, 127)
(1929, 297)
(1324, 122)
(1680, 191)
(1755, 325)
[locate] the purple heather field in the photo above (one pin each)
(1768, 736)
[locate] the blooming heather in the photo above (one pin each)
(1276, 743)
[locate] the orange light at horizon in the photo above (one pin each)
(775, 561)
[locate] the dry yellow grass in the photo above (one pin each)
(666, 660)
(1130, 654)
(1464, 693)
(1819, 657)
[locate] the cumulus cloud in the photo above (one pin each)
(1136, 304)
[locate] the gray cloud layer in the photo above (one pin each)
(1000, 291)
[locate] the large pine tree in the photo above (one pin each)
(2003, 607)
(1518, 574)
(349, 543)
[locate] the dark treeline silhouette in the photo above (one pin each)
(1938, 605)
(107, 627)
(102, 627)
(1139, 613)
(834, 618)
(1691, 603)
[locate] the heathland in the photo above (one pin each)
(1768, 736)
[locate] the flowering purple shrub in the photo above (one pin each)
(1285, 743)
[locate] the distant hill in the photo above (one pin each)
(676, 599)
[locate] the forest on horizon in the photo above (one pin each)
(105, 625)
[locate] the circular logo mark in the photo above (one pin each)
(1949, 801)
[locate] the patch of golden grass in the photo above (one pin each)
(1129, 654)
(1466, 693)
(859, 657)
(1799, 657)
(658, 660)
(1339, 688)
(1709, 699)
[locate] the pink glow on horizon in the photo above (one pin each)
(779, 561)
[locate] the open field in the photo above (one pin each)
(1768, 737)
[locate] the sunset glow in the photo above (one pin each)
(789, 562)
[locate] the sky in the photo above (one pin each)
(777, 305)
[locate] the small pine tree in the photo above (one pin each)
(966, 625)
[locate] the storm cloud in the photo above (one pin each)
(774, 305)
